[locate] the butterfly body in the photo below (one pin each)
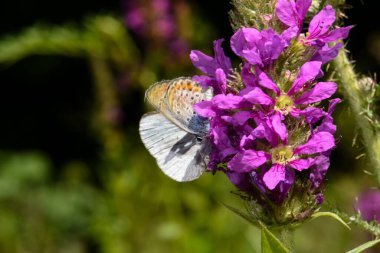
(175, 135)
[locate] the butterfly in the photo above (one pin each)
(174, 134)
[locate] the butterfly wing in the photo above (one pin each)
(178, 153)
(156, 95)
(180, 97)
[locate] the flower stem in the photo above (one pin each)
(350, 85)
(371, 227)
(286, 236)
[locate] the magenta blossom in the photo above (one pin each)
(282, 158)
(320, 28)
(258, 48)
(301, 94)
(319, 33)
(216, 69)
(241, 143)
(268, 132)
(292, 14)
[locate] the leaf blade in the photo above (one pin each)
(332, 215)
(364, 246)
(270, 243)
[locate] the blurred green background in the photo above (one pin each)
(74, 175)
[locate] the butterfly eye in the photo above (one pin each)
(199, 139)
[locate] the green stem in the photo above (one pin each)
(286, 236)
(351, 88)
(372, 228)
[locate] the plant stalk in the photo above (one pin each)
(286, 236)
(350, 85)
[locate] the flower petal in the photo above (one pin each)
(256, 96)
(205, 82)
(270, 46)
(239, 118)
(227, 102)
(302, 164)
(221, 79)
(249, 79)
(274, 175)
(243, 39)
(286, 12)
(241, 180)
(204, 109)
(279, 127)
(258, 48)
(203, 62)
(248, 160)
(322, 22)
(259, 132)
(302, 7)
(221, 59)
(326, 53)
(266, 81)
(332, 104)
(290, 33)
(242, 117)
(227, 152)
(308, 72)
(327, 126)
(337, 34)
(319, 170)
(312, 114)
(208, 64)
(319, 142)
(319, 92)
(252, 56)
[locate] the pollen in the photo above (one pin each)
(282, 155)
(284, 104)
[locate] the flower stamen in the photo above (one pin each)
(282, 155)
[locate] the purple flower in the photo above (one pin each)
(319, 33)
(368, 205)
(301, 94)
(319, 28)
(318, 171)
(293, 13)
(216, 69)
(266, 125)
(326, 53)
(282, 158)
(234, 137)
(258, 48)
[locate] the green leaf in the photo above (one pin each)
(364, 246)
(332, 215)
(270, 243)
